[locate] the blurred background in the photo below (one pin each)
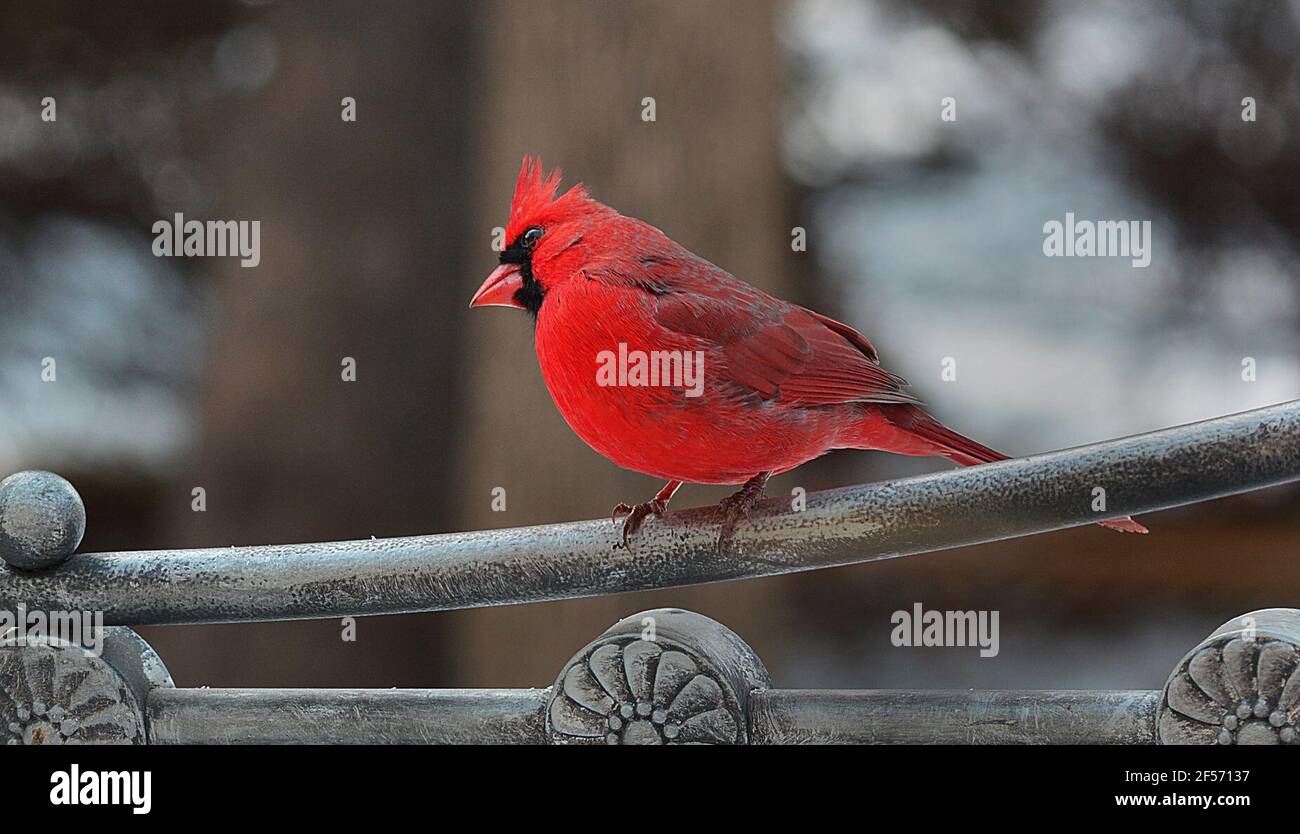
(182, 373)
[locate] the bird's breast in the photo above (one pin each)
(652, 400)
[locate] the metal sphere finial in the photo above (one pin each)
(42, 520)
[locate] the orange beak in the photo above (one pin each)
(499, 288)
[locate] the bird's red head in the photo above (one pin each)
(543, 239)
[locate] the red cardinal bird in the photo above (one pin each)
(673, 367)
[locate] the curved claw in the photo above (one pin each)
(731, 513)
(740, 504)
(635, 515)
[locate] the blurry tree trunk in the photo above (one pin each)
(362, 258)
(570, 84)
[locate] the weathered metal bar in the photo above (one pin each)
(899, 716)
(1020, 497)
(776, 716)
(347, 716)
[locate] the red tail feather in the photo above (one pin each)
(961, 449)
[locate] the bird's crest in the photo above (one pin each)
(535, 199)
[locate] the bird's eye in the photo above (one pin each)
(531, 235)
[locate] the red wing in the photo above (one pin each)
(855, 338)
(843, 366)
(766, 346)
(778, 350)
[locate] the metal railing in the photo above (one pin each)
(715, 689)
(691, 681)
(1020, 497)
(777, 716)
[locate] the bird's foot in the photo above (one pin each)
(637, 513)
(733, 507)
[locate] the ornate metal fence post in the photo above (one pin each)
(1241, 685)
(56, 692)
(52, 690)
(666, 676)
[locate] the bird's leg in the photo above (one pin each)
(735, 506)
(637, 513)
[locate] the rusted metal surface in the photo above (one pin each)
(1020, 497)
(901, 716)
